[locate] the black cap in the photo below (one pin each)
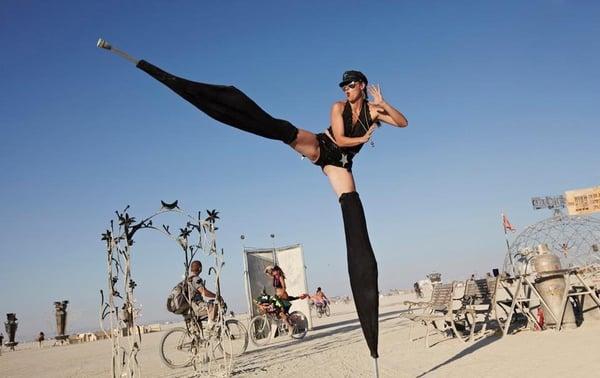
(350, 76)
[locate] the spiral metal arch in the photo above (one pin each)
(118, 306)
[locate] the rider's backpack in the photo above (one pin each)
(177, 301)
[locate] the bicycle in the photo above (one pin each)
(322, 308)
(183, 346)
(265, 327)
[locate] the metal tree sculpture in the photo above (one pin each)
(119, 303)
(574, 239)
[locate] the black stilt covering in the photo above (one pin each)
(226, 104)
(362, 268)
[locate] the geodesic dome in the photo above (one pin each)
(574, 239)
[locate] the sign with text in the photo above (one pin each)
(548, 202)
(583, 201)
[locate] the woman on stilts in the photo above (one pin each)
(353, 122)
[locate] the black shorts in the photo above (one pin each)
(331, 154)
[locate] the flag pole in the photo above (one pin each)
(507, 244)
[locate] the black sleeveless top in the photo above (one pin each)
(356, 130)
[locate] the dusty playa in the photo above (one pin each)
(335, 348)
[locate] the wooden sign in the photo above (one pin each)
(583, 201)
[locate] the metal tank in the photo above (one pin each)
(551, 288)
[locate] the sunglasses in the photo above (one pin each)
(352, 85)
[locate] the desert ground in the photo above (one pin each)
(335, 348)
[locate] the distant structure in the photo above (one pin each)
(575, 240)
(10, 326)
(435, 277)
(61, 322)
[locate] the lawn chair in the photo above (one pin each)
(411, 306)
(479, 300)
(439, 314)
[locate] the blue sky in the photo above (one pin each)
(502, 101)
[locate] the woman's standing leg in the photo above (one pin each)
(340, 179)
(362, 265)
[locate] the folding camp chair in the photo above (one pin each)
(479, 301)
(439, 314)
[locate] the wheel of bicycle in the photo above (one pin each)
(319, 312)
(300, 324)
(327, 310)
(260, 330)
(234, 340)
(177, 348)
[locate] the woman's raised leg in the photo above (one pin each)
(225, 104)
(306, 143)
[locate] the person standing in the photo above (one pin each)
(40, 339)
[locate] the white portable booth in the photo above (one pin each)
(291, 260)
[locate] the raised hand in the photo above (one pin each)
(375, 93)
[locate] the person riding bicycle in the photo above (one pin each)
(320, 299)
(199, 294)
(282, 300)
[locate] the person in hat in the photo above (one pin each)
(352, 124)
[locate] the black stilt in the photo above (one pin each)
(226, 104)
(362, 268)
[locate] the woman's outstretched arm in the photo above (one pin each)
(384, 111)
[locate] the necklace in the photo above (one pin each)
(364, 125)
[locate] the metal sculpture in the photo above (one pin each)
(61, 322)
(575, 240)
(10, 326)
(119, 305)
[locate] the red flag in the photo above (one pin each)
(506, 224)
